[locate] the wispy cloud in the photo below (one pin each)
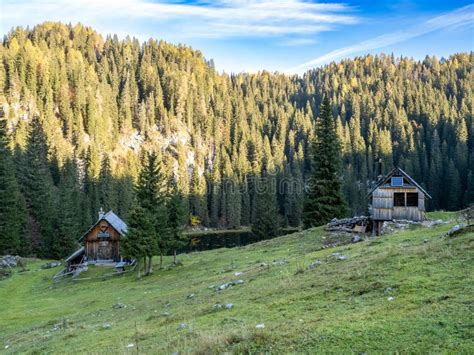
(458, 18)
(221, 18)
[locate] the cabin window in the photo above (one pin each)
(412, 199)
(397, 181)
(399, 199)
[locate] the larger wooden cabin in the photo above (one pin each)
(397, 196)
(101, 243)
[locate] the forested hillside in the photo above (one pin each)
(81, 108)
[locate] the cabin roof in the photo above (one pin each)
(114, 220)
(397, 172)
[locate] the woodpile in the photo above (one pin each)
(358, 224)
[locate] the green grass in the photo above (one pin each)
(339, 306)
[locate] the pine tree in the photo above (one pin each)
(176, 222)
(150, 194)
(12, 207)
(68, 210)
(106, 186)
(324, 199)
(134, 244)
(266, 223)
(39, 192)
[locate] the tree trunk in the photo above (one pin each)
(145, 266)
(161, 260)
(174, 257)
(150, 265)
(139, 276)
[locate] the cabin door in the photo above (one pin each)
(104, 251)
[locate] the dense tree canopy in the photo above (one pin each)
(71, 96)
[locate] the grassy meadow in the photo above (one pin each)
(410, 291)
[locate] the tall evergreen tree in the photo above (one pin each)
(266, 224)
(135, 243)
(39, 192)
(324, 199)
(176, 221)
(12, 206)
(150, 194)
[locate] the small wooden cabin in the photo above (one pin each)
(101, 243)
(396, 196)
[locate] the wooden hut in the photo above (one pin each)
(396, 196)
(101, 243)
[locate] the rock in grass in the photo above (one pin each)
(191, 296)
(8, 261)
(51, 265)
(217, 306)
(229, 306)
(229, 284)
(182, 326)
(339, 256)
(391, 298)
(314, 264)
(356, 239)
(131, 345)
(280, 262)
(260, 326)
(119, 305)
(455, 229)
(106, 326)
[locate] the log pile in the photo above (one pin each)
(358, 224)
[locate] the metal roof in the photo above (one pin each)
(114, 220)
(74, 255)
(119, 225)
(397, 171)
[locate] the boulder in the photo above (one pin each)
(339, 256)
(356, 239)
(119, 305)
(314, 264)
(455, 229)
(182, 326)
(9, 261)
(51, 265)
(280, 262)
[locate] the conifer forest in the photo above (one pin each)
(80, 110)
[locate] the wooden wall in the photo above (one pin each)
(383, 209)
(97, 248)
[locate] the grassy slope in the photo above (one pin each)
(338, 306)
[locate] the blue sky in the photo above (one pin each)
(280, 35)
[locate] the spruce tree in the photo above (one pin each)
(150, 195)
(69, 225)
(176, 222)
(40, 192)
(324, 199)
(12, 208)
(134, 244)
(266, 224)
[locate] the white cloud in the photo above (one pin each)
(458, 18)
(221, 18)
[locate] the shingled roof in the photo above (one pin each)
(397, 172)
(114, 220)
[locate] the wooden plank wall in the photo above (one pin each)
(383, 209)
(92, 243)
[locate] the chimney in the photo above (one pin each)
(101, 213)
(379, 163)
